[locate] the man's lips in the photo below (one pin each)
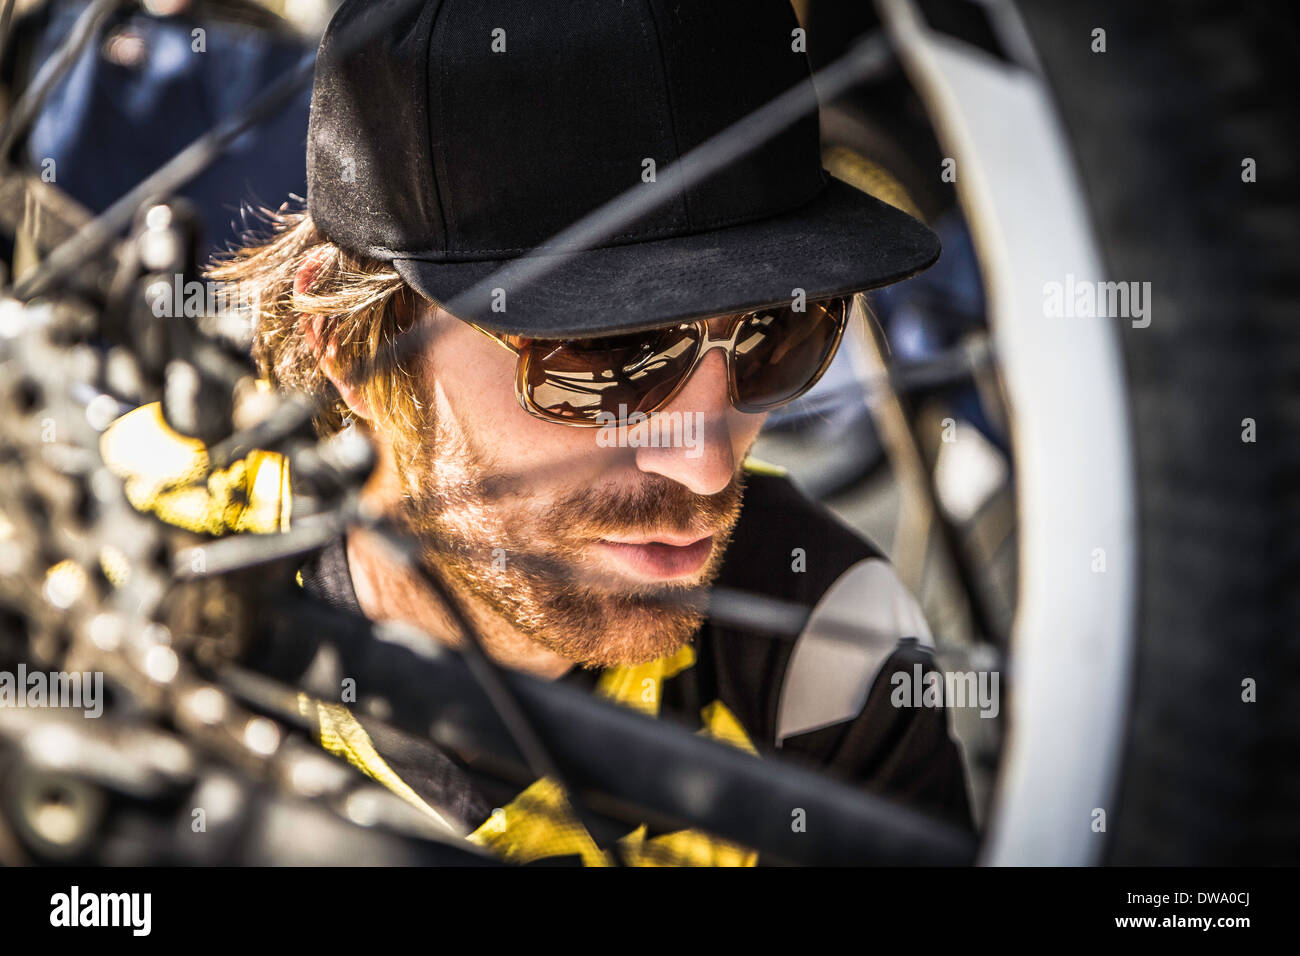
(662, 557)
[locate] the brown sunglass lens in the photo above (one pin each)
(577, 379)
(781, 352)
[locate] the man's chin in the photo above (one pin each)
(632, 634)
(608, 617)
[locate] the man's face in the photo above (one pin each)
(597, 544)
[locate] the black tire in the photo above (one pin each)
(1160, 125)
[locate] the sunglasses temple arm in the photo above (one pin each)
(495, 338)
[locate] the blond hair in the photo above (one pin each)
(364, 305)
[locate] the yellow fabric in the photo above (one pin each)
(342, 735)
(166, 474)
(640, 686)
(539, 823)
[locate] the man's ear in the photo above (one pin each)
(326, 352)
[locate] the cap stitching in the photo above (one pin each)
(668, 93)
(445, 210)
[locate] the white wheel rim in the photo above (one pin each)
(1073, 638)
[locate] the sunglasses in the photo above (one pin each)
(773, 356)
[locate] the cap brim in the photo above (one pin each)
(843, 241)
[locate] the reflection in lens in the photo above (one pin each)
(780, 352)
(577, 378)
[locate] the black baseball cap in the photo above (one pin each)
(462, 134)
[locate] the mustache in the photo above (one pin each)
(656, 504)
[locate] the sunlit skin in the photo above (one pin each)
(584, 604)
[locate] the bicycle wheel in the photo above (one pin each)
(1141, 152)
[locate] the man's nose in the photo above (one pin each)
(694, 432)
